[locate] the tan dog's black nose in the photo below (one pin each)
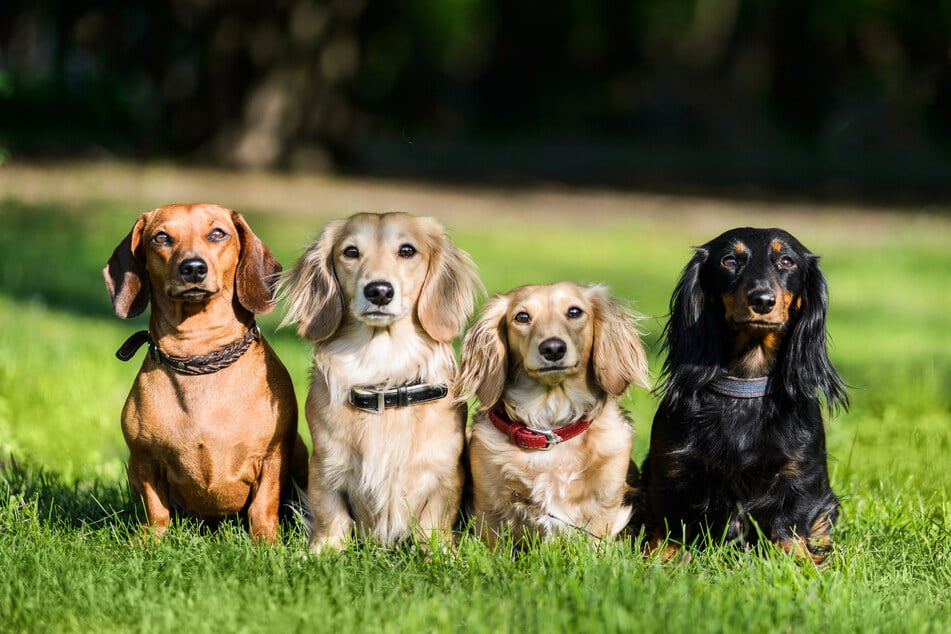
(379, 293)
(553, 349)
(193, 270)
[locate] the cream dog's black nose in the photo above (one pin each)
(379, 293)
(553, 349)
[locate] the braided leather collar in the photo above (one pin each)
(527, 437)
(201, 364)
(735, 387)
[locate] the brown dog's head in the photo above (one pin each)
(191, 254)
(378, 269)
(551, 336)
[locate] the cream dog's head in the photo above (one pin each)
(376, 270)
(540, 339)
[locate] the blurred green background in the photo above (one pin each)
(843, 97)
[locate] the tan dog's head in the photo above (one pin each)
(378, 269)
(191, 254)
(550, 336)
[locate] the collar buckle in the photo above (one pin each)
(551, 438)
(378, 405)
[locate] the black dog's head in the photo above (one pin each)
(751, 302)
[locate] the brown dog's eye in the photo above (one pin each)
(574, 312)
(729, 261)
(407, 251)
(786, 262)
(162, 239)
(523, 318)
(217, 235)
(351, 253)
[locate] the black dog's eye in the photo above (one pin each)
(351, 253)
(162, 239)
(523, 318)
(729, 261)
(407, 251)
(217, 235)
(574, 312)
(786, 262)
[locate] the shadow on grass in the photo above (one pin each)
(80, 504)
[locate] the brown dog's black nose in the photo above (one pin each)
(193, 270)
(761, 301)
(553, 349)
(379, 293)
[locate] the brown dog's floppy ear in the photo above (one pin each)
(254, 278)
(484, 362)
(450, 288)
(126, 276)
(316, 302)
(618, 355)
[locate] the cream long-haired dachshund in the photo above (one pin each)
(382, 297)
(550, 449)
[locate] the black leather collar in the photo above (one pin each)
(202, 364)
(375, 401)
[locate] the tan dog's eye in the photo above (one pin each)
(217, 235)
(407, 251)
(162, 239)
(523, 318)
(351, 253)
(574, 312)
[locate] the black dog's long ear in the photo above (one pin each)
(807, 367)
(484, 358)
(315, 301)
(256, 272)
(126, 277)
(691, 336)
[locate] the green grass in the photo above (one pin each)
(72, 559)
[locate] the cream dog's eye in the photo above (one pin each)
(407, 251)
(523, 318)
(351, 253)
(574, 312)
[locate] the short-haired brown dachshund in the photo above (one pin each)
(211, 421)
(382, 297)
(550, 451)
(738, 447)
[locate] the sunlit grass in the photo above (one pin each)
(73, 558)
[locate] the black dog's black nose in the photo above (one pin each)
(379, 293)
(193, 270)
(553, 349)
(761, 301)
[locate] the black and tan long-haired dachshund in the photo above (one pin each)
(738, 440)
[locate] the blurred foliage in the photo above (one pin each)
(318, 83)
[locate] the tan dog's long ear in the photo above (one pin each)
(316, 302)
(126, 276)
(618, 356)
(484, 362)
(255, 277)
(449, 291)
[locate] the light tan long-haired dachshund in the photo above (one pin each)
(211, 421)
(382, 297)
(550, 450)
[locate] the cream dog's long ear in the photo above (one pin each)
(484, 362)
(618, 356)
(127, 279)
(449, 291)
(315, 301)
(257, 268)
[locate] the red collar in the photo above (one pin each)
(527, 437)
